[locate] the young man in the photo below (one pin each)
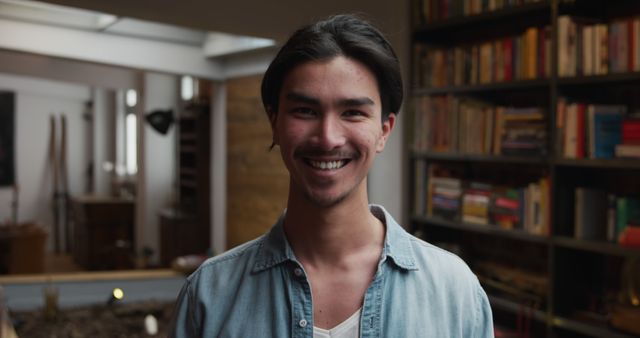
(333, 265)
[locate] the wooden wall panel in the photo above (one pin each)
(257, 180)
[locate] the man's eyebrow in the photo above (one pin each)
(349, 102)
(302, 98)
(357, 101)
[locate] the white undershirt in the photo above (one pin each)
(350, 328)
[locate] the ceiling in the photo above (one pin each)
(212, 43)
(274, 19)
(211, 39)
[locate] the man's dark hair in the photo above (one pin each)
(340, 35)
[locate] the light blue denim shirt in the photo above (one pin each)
(259, 289)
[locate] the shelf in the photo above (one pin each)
(514, 307)
(186, 136)
(540, 160)
(504, 14)
(606, 163)
(484, 229)
(187, 171)
(188, 149)
(187, 115)
(595, 246)
(188, 183)
(615, 78)
(588, 329)
(480, 88)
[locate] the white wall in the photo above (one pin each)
(219, 168)
(157, 182)
(36, 100)
(102, 134)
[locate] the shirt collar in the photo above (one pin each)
(275, 249)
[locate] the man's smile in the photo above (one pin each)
(326, 165)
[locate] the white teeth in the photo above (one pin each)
(328, 165)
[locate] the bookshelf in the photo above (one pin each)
(545, 197)
(184, 228)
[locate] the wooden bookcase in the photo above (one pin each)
(185, 229)
(542, 282)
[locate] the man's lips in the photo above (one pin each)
(325, 160)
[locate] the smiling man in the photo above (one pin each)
(333, 265)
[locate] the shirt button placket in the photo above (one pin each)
(302, 305)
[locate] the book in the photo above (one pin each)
(631, 131)
(564, 54)
(587, 50)
(601, 51)
(627, 150)
(611, 217)
(570, 147)
(630, 237)
(627, 212)
(581, 141)
(590, 214)
(605, 123)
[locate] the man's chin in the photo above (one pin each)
(325, 200)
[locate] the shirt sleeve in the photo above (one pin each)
(484, 318)
(183, 323)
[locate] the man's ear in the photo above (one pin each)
(273, 117)
(387, 127)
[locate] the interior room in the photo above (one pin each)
(134, 145)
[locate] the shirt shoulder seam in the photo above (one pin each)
(231, 254)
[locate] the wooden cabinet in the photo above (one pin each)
(104, 233)
(179, 235)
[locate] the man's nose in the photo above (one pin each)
(329, 133)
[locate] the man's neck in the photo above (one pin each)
(331, 235)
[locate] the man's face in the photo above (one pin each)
(329, 129)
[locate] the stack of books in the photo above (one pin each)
(475, 203)
(445, 195)
(520, 131)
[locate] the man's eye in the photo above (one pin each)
(353, 113)
(304, 111)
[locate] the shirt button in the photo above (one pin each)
(302, 323)
(298, 273)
